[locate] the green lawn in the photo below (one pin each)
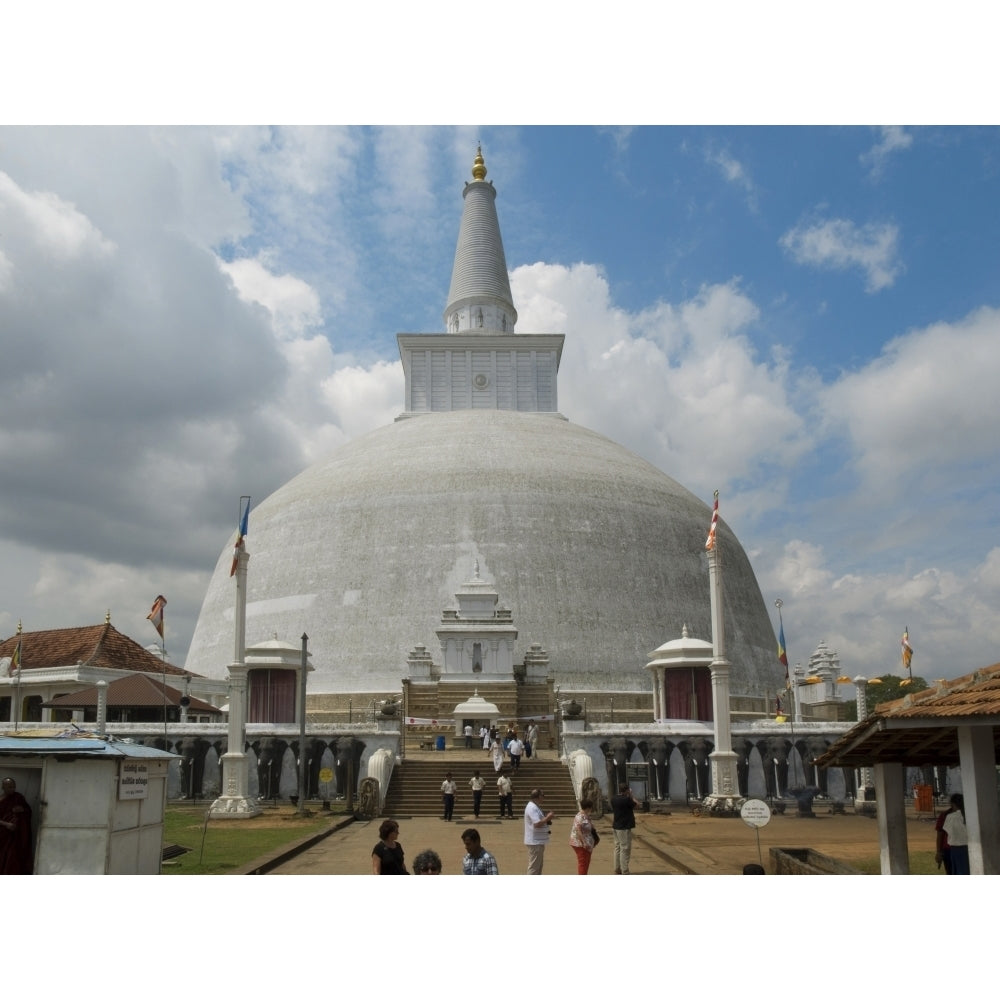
(921, 863)
(224, 846)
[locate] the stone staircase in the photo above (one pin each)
(415, 786)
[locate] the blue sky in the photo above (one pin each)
(807, 319)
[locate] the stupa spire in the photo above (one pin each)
(479, 299)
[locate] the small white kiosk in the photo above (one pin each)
(97, 804)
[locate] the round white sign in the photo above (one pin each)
(755, 812)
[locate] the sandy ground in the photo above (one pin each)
(674, 844)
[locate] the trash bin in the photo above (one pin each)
(439, 743)
(923, 798)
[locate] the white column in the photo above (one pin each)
(861, 701)
(893, 850)
(977, 756)
(235, 800)
(725, 795)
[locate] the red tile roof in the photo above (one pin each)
(91, 645)
(134, 691)
(922, 728)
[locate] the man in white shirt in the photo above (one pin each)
(536, 830)
(448, 789)
(477, 784)
(468, 737)
(515, 748)
(506, 792)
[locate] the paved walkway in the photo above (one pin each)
(674, 844)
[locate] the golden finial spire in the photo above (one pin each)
(479, 165)
(19, 627)
(107, 617)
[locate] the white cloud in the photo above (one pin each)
(294, 305)
(839, 244)
(47, 224)
(680, 385)
(892, 139)
(925, 412)
(734, 172)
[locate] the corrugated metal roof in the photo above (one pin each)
(75, 742)
(922, 729)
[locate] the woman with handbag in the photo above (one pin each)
(583, 837)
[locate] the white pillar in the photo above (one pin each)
(235, 800)
(725, 797)
(861, 701)
(977, 756)
(894, 853)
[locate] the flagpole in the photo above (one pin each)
(19, 653)
(783, 659)
(157, 618)
(163, 667)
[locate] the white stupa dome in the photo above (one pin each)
(598, 554)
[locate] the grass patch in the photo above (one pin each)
(231, 844)
(921, 863)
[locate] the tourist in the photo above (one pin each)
(427, 863)
(583, 838)
(515, 748)
(536, 830)
(942, 849)
(505, 791)
(477, 784)
(477, 860)
(531, 740)
(958, 836)
(448, 789)
(387, 854)
(15, 831)
(623, 807)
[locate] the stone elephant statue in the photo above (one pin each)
(809, 749)
(657, 752)
(192, 752)
(742, 747)
(617, 753)
(695, 751)
(347, 751)
(270, 752)
(774, 756)
(314, 764)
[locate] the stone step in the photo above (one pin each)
(415, 787)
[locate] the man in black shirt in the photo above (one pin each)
(623, 807)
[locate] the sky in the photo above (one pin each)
(804, 317)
